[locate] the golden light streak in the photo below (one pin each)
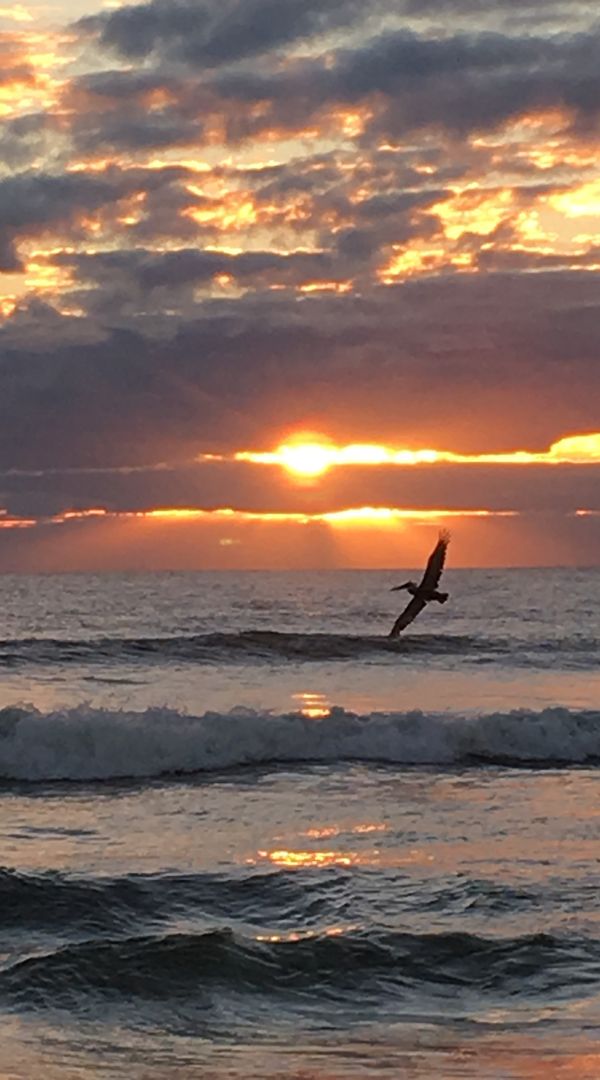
(92, 512)
(9, 522)
(41, 276)
(384, 515)
(95, 165)
(183, 515)
(326, 286)
(314, 457)
(371, 515)
(419, 258)
(234, 212)
(365, 516)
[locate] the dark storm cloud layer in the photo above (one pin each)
(459, 82)
(433, 362)
(251, 488)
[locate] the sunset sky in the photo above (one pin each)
(294, 283)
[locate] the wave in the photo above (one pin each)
(207, 964)
(72, 906)
(273, 646)
(235, 646)
(85, 743)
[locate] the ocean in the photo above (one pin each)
(246, 835)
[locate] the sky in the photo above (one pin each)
(297, 283)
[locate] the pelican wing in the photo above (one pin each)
(435, 565)
(412, 609)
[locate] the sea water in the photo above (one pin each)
(245, 834)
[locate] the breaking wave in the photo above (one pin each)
(85, 743)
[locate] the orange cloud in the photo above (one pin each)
(29, 62)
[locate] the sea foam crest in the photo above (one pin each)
(85, 743)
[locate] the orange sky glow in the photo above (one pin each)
(263, 306)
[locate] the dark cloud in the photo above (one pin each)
(132, 111)
(255, 488)
(25, 138)
(210, 34)
(460, 83)
(497, 362)
(34, 202)
(541, 9)
(148, 270)
(457, 83)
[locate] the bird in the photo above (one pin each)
(427, 589)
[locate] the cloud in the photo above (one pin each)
(260, 489)
(208, 34)
(146, 271)
(463, 363)
(33, 203)
(459, 83)
(218, 71)
(25, 138)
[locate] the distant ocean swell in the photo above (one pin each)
(351, 964)
(273, 646)
(85, 743)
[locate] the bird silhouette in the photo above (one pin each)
(427, 589)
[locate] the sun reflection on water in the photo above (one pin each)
(285, 857)
(313, 705)
(309, 935)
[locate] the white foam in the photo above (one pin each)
(85, 743)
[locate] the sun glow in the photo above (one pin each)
(311, 457)
(315, 457)
(306, 459)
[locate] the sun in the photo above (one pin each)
(306, 458)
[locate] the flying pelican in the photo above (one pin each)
(426, 590)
